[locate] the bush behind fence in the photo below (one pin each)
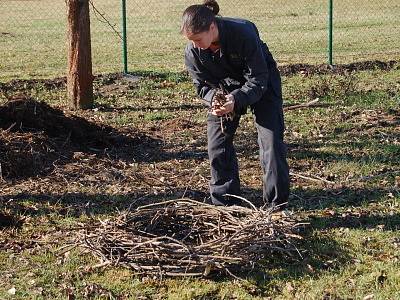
(33, 33)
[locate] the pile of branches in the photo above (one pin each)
(188, 238)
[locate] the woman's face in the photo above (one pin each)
(203, 39)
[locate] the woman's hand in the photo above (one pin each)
(226, 108)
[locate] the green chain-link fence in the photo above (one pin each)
(33, 33)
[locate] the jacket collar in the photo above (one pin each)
(221, 34)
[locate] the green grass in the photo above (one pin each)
(351, 249)
(33, 38)
(153, 116)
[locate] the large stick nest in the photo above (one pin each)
(189, 238)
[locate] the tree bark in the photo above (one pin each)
(80, 77)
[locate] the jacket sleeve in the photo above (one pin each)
(255, 73)
(202, 80)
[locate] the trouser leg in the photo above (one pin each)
(223, 160)
(270, 126)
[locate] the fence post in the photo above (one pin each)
(79, 77)
(124, 39)
(330, 33)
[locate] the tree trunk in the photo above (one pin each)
(79, 78)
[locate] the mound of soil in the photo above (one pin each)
(27, 115)
(35, 136)
(53, 84)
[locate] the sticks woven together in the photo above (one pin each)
(188, 238)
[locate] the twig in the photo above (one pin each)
(190, 180)
(243, 199)
(64, 249)
(101, 265)
(314, 178)
(305, 105)
(96, 11)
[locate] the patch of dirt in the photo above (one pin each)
(27, 84)
(56, 83)
(27, 115)
(307, 69)
(177, 125)
(113, 84)
(35, 136)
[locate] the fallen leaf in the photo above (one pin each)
(330, 212)
(310, 268)
(352, 282)
(289, 287)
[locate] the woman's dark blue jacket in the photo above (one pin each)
(243, 65)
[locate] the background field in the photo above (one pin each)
(32, 38)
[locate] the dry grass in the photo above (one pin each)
(33, 34)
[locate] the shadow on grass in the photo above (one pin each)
(80, 204)
(319, 254)
(387, 153)
(104, 107)
(304, 152)
(314, 199)
(390, 222)
(357, 149)
(76, 204)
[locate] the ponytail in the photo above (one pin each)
(198, 18)
(213, 5)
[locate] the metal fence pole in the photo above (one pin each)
(124, 39)
(330, 34)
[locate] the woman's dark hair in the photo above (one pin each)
(198, 18)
